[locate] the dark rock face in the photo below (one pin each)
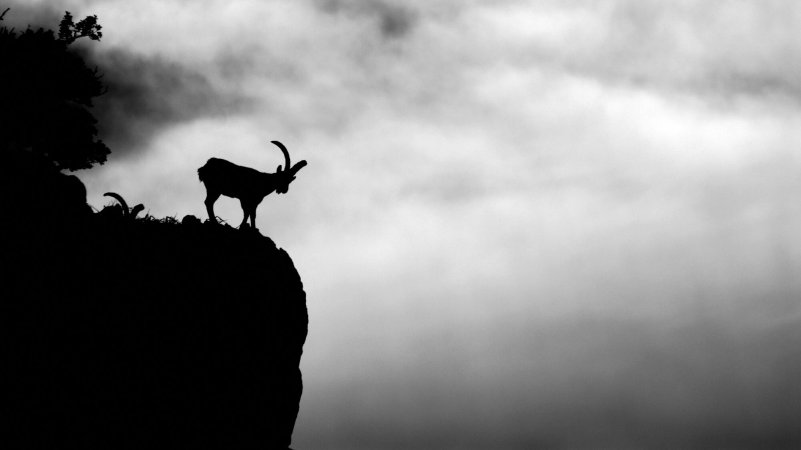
(124, 333)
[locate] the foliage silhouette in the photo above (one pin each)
(46, 93)
(69, 31)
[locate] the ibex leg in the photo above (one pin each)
(248, 210)
(211, 197)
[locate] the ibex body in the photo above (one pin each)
(250, 186)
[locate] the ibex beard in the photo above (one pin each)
(250, 186)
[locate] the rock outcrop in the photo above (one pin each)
(126, 333)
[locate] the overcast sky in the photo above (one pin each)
(523, 223)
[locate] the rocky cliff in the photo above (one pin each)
(137, 333)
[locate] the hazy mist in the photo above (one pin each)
(554, 224)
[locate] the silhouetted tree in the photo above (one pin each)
(69, 31)
(46, 91)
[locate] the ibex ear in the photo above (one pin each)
(278, 169)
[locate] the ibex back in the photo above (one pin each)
(250, 186)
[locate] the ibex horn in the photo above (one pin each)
(285, 152)
(119, 198)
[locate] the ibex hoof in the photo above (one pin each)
(248, 228)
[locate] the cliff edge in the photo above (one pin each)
(133, 333)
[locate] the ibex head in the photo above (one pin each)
(123, 206)
(287, 175)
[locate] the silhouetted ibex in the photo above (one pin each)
(250, 186)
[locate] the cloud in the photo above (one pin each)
(726, 51)
(393, 19)
(578, 382)
(22, 15)
(148, 93)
